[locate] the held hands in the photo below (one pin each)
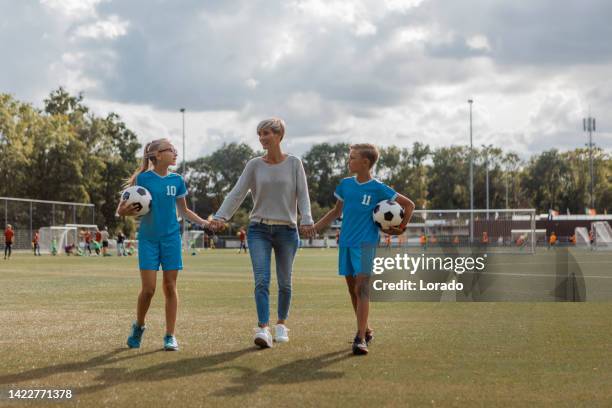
(126, 209)
(215, 225)
(308, 231)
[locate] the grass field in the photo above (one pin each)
(65, 321)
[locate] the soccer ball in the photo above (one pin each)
(387, 214)
(140, 196)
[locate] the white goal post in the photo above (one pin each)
(508, 229)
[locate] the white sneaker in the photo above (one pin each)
(263, 338)
(281, 334)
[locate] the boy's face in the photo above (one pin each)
(357, 163)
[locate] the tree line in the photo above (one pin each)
(64, 152)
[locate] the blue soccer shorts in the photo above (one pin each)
(165, 252)
(353, 261)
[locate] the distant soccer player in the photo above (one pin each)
(242, 237)
(388, 241)
(97, 241)
(120, 244)
(35, 243)
(104, 237)
(87, 237)
(159, 239)
(356, 198)
(552, 240)
(485, 238)
(8, 241)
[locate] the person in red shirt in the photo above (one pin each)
(242, 237)
(8, 241)
(35, 244)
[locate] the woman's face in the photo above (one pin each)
(268, 138)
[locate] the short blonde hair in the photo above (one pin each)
(367, 151)
(277, 125)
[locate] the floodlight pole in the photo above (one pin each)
(487, 177)
(588, 125)
(184, 174)
(471, 101)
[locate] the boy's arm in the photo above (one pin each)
(408, 207)
(328, 218)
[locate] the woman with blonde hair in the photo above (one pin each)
(277, 182)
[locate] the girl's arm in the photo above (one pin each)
(328, 218)
(190, 215)
(408, 207)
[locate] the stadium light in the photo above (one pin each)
(184, 161)
(471, 101)
(588, 125)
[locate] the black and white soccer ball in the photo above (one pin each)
(388, 214)
(140, 196)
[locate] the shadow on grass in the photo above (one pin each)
(308, 369)
(79, 366)
(298, 371)
(112, 376)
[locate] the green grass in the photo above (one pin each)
(65, 320)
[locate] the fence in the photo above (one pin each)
(28, 215)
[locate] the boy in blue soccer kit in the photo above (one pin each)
(356, 198)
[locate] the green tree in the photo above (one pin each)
(325, 165)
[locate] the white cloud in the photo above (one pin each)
(110, 28)
(77, 9)
(338, 70)
(478, 42)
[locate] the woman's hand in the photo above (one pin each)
(126, 210)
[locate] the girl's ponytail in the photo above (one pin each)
(143, 167)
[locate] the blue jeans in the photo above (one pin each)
(262, 238)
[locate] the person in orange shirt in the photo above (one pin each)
(388, 241)
(35, 243)
(456, 240)
(573, 239)
(423, 240)
(8, 241)
(553, 239)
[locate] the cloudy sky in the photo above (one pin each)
(386, 71)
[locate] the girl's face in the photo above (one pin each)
(268, 138)
(167, 155)
(357, 163)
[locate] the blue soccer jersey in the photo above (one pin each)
(161, 221)
(359, 200)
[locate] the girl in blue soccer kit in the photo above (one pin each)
(159, 239)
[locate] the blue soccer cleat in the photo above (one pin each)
(134, 340)
(170, 343)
